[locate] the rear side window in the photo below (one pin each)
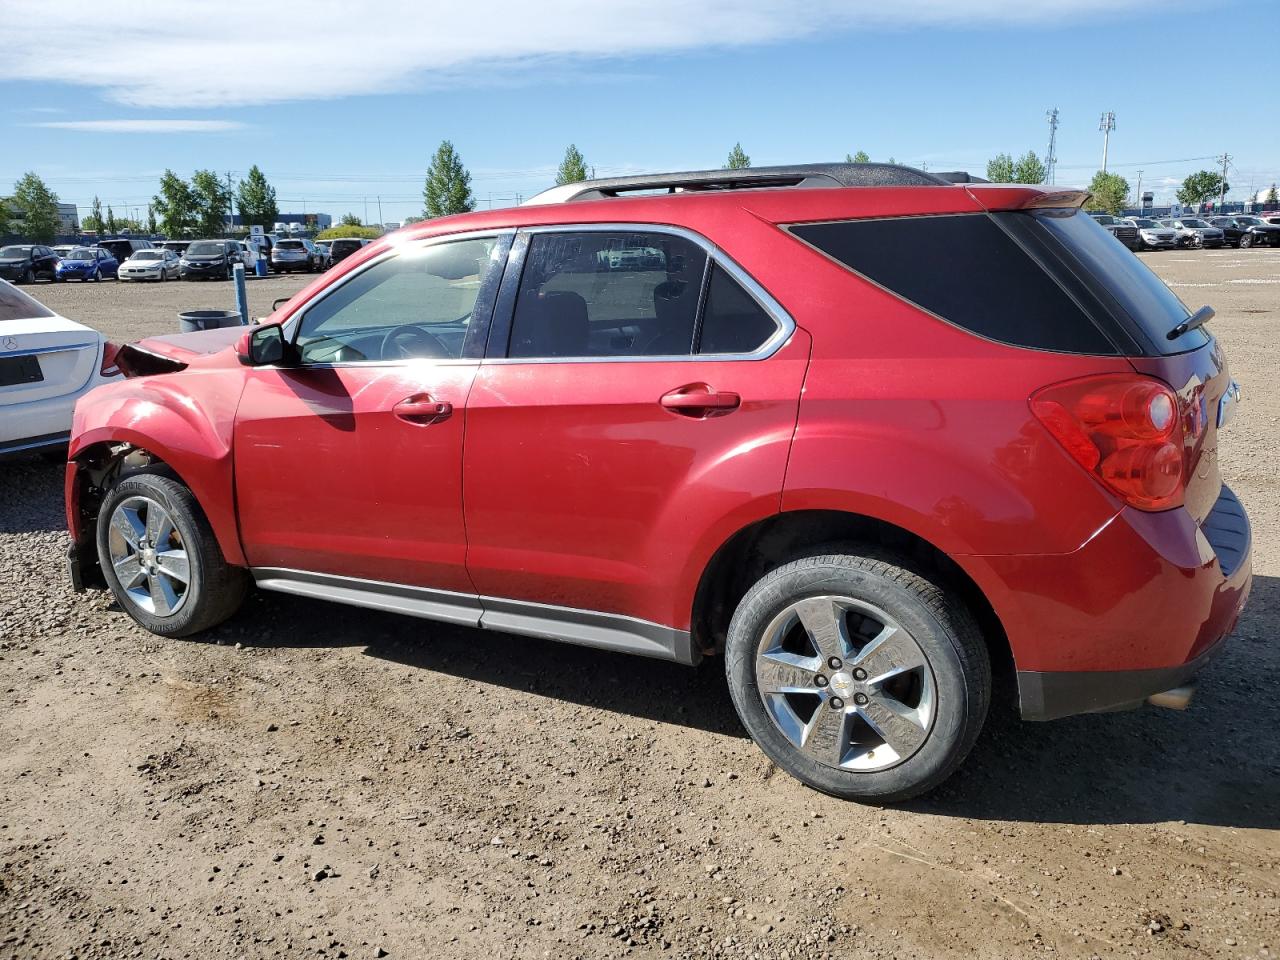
(968, 271)
(732, 321)
(16, 305)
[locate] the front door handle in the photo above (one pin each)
(422, 410)
(699, 401)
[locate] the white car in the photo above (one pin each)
(47, 363)
(156, 265)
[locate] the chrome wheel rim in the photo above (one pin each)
(149, 556)
(845, 683)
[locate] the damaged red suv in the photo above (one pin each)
(860, 430)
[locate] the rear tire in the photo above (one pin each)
(900, 705)
(152, 533)
(1246, 241)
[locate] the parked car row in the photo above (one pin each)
(1145, 233)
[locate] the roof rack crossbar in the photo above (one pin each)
(796, 175)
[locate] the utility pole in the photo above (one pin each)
(1051, 158)
(379, 211)
(1106, 125)
(1222, 194)
(231, 212)
(366, 211)
(1141, 211)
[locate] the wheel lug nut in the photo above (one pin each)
(859, 698)
(820, 680)
(836, 703)
(834, 663)
(859, 674)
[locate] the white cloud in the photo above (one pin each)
(200, 55)
(143, 126)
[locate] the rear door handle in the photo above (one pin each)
(699, 401)
(423, 410)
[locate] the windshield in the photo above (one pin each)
(1194, 223)
(148, 255)
(1145, 224)
(81, 254)
(204, 250)
(11, 252)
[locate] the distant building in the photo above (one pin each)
(306, 221)
(68, 220)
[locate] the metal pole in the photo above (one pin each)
(1106, 125)
(379, 211)
(1139, 195)
(1222, 194)
(242, 297)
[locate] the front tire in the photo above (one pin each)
(858, 676)
(1246, 241)
(161, 559)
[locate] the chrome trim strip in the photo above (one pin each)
(785, 325)
(589, 628)
(60, 348)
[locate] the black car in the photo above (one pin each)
(27, 263)
(210, 259)
(1248, 231)
(1122, 230)
(344, 247)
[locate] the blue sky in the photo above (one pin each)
(346, 104)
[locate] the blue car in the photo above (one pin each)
(87, 263)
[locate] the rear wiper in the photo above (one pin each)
(1193, 322)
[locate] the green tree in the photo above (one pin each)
(4, 216)
(573, 168)
(1029, 169)
(368, 233)
(350, 220)
(1201, 186)
(860, 157)
(1107, 192)
(1000, 168)
(1272, 197)
(448, 186)
(175, 205)
(37, 207)
(111, 221)
(256, 200)
(738, 159)
(212, 199)
(94, 221)
(151, 219)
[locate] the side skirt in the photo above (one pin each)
(588, 628)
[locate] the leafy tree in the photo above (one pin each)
(1029, 169)
(860, 157)
(573, 168)
(151, 219)
(333, 233)
(95, 221)
(448, 186)
(1000, 168)
(37, 207)
(111, 221)
(175, 205)
(212, 199)
(1107, 192)
(1201, 186)
(738, 159)
(4, 216)
(350, 220)
(256, 199)
(1272, 196)
(410, 220)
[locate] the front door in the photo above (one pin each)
(348, 461)
(637, 402)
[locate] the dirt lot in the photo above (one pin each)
(312, 780)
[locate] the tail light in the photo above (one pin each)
(1125, 430)
(109, 351)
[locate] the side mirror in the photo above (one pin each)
(260, 346)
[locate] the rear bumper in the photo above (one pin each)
(15, 449)
(1135, 611)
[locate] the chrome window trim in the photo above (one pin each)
(784, 324)
(398, 247)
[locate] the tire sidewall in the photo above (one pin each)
(948, 739)
(151, 486)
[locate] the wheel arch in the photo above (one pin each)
(782, 537)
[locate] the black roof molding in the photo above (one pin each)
(794, 175)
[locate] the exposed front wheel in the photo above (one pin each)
(858, 676)
(1246, 241)
(161, 559)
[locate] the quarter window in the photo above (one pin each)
(606, 294)
(732, 321)
(421, 302)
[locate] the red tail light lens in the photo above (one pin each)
(1125, 430)
(109, 351)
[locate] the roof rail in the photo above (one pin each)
(793, 175)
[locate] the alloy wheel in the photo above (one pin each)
(148, 556)
(845, 683)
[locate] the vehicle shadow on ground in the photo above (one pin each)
(31, 494)
(1217, 763)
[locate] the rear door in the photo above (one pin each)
(638, 390)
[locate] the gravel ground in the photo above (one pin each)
(313, 780)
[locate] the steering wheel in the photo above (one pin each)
(410, 341)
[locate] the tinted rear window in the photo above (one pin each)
(16, 305)
(968, 271)
(290, 245)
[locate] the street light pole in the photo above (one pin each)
(1106, 125)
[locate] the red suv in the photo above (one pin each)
(861, 430)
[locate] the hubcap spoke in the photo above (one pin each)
(163, 597)
(159, 526)
(174, 564)
(779, 672)
(823, 621)
(893, 722)
(128, 571)
(891, 652)
(826, 735)
(126, 523)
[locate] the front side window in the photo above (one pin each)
(607, 294)
(417, 303)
